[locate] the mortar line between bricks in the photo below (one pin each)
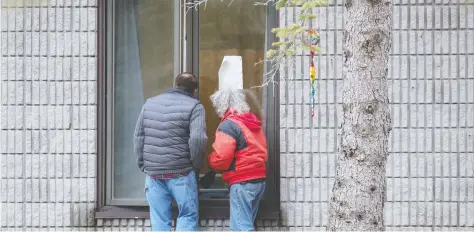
(294, 141)
(48, 100)
(320, 30)
(7, 145)
(56, 118)
(49, 81)
(85, 31)
(431, 226)
(387, 201)
(41, 202)
(394, 54)
(284, 177)
(408, 66)
(14, 138)
(292, 80)
(386, 177)
(398, 127)
(47, 227)
(63, 220)
(31, 144)
(458, 115)
(331, 103)
(89, 104)
(318, 149)
(120, 226)
(46, 7)
(392, 104)
(466, 95)
(417, 181)
(52, 56)
(394, 152)
(51, 177)
(395, 4)
(308, 201)
(23, 215)
(296, 6)
(441, 142)
(297, 55)
(425, 142)
(311, 153)
(79, 135)
(60, 154)
(450, 112)
(286, 97)
(40, 138)
(294, 128)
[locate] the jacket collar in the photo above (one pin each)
(227, 114)
(180, 91)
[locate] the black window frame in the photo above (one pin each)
(208, 209)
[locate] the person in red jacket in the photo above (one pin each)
(240, 153)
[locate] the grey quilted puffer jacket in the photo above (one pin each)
(170, 135)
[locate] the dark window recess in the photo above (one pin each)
(210, 208)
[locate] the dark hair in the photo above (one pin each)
(186, 81)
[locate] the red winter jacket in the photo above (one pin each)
(240, 148)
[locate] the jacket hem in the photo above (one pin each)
(233, 178)
(171, 171)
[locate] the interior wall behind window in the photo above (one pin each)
(144, 63)
(235, 29)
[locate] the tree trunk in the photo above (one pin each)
(359, 190)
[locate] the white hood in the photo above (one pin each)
(230, 73)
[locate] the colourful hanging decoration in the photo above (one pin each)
(311, 39)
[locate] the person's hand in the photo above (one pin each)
(207, 180)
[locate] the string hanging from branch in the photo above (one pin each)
(311, 40)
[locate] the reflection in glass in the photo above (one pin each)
(144, 64)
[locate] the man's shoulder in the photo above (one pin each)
(166, 100)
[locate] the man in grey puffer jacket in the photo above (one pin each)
(170, 142)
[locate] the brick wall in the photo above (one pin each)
(430, 178)
(48, 74)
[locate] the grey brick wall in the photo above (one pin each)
(48, 81)
(430, 177)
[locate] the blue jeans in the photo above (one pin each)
(160, 194)
(244, 199)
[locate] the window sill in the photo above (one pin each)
(206, 212)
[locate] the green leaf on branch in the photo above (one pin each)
(279, 44)
(312, 4)
(306, 17)
(296, 2)
(290, 52)
(271, 53)
(281, 32)
(280, 4)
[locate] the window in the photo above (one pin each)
(143, 44)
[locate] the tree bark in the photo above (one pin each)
(358, 196)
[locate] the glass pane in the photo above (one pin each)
(235, 29)
(144, 67)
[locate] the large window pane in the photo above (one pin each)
(235, 29)
(144, 67)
